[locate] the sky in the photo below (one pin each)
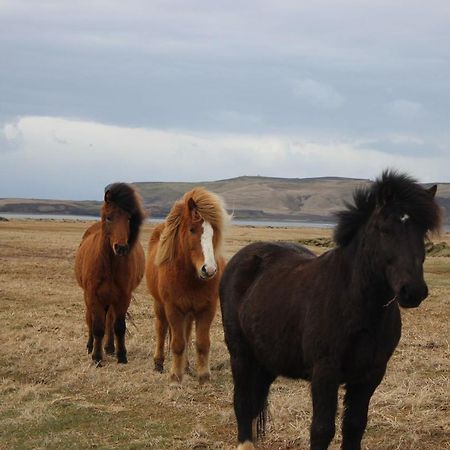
(96, 91)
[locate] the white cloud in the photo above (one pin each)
(87, 156)
(404, 109)
(321, 95)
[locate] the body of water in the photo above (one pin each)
(253, 223)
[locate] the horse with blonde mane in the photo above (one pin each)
(184, 267)
(109, 265)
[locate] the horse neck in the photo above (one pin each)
(105, 253)
(368, 287)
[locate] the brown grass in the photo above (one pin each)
(53, 397)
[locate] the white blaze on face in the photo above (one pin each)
(404, 218)
(208, 249)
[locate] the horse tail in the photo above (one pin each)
(261, 421)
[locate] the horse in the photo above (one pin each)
(331, 319)
(109, 265)
(184, 267)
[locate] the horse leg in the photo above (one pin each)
(203, 344)
(161, 327)
(90, 342)
(178, 344)
(188, 331)
(109, 347)
(324, 388)
(251, 388)
(120, 310)
(356, 401)
(98, 328)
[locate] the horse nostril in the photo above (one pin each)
(203, 270)
(120, 250)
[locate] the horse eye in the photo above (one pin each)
(192, 230)
(109, 219)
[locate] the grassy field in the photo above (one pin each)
(53, 397)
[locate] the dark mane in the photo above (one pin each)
(392, 191)
(127, 198)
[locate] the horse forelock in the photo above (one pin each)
(392, 191)
(210, 208)
(126, 198)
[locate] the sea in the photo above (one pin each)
(249, 223)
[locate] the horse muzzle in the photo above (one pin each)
(121, 250)
(207, 272)
(411, 296)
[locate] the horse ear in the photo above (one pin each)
(193, 210)
(432, 190)
(385, 195)
(107, 197)
(191, 204)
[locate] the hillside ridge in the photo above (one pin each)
(248, 197)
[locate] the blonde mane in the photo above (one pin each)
(210, 207)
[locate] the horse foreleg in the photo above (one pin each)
(178, 344)
(357, 398)
(203, 344)
(98, 328)
(120, 328)
(109, 346)
(90, 342)
(161, 327)
(187, 333)
(324, 389)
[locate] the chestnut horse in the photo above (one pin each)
(184, 267)
(109, 265)
(332, 319)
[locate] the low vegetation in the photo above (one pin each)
(53, 397)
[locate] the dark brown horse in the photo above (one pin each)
(331, 319)
(109, 265)
(184, 267)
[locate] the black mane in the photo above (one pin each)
(391, 190)
(126, 198)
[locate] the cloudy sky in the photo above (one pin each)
(95, 91)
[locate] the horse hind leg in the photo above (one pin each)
(251, 389)
(110, 348)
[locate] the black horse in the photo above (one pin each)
(331, 319)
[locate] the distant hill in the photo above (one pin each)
(249, 197)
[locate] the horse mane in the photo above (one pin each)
(209, 206)
(127, 198)
(392, 189)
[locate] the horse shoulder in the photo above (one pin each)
(94, 228)
(87, 261)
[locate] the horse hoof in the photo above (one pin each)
(98, 364)
(110, 350)
(89, 348)
(175, 380)
(122, 359)
(204, 378)
(159, 367)
(247, 445)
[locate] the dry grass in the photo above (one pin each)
(52, 396)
